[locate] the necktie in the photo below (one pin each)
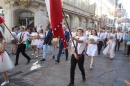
(20, 37)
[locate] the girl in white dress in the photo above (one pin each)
(34, 40)
(5, 62)
(40, 42)
(92, 46)
(110, 49)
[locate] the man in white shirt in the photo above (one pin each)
(77, 55)
(47, 43)
(119, 36)
(105, 36)
(101, 41)
(39, 28)
(22, 37)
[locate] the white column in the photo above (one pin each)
(7, 18)
(72, 21)
(42, 17)
(89, 24)
(83, 22)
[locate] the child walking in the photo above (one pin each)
(5, 62)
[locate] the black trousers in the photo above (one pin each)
(117, 45)
(128, 49)
(21, 49)
(100, 44)
(80, 62)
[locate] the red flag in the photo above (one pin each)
(54, 8)
(1, 20)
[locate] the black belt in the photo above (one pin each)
(80, 54)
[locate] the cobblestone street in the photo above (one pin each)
(105, 72)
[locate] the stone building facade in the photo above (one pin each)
(84, 13)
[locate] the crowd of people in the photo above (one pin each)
(83, 41)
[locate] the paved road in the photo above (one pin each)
(37, 73)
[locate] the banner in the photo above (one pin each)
(119, 12)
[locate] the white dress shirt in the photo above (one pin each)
(38, 30)
(88, 33)
(119, 35)
(46, 33)
(24, 37)
(105, 35)
(73, 34)
(101, 36)
(80, 46)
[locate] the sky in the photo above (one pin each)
(126, 5)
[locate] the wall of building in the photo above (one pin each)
(80, 13)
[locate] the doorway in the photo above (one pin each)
(26, 18)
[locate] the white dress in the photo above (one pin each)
(34, 41)
(92, 49)
(111, 46)
(40, 41)
(5, 62)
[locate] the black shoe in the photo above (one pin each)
(84, 79)
(111, 58)
(57, 61)
(28, 61)
(70, 84)
(66, 59)
(16, 64)
(53, 57)
(43, 59)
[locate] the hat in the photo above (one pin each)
(80, 28)
(23, 27)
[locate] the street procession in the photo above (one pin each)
(43, 41)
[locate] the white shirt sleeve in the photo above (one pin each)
(84, 39)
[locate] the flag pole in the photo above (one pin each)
(68, 28)
(9, 30)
